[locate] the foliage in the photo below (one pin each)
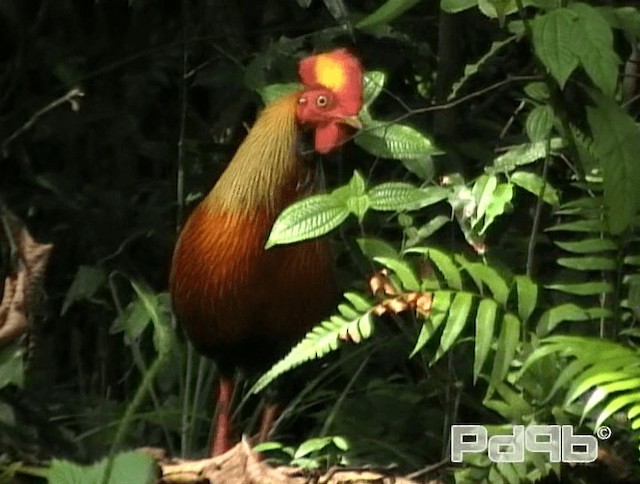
(490, 203)
(127, 467)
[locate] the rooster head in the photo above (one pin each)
(331, 97)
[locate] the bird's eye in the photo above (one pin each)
(322, 101)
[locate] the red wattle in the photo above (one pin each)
(330, 136)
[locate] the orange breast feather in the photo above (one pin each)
(238, 302)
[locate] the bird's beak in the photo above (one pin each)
(353, 121)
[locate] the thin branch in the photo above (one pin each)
(72, 97)
(429, 469)
(397, 99)
(480, 92)
(450, 104)
(343, 395)
(186, 419)
(537, 214)
(511, 120)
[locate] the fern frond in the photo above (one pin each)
(324, 338)
(601, 374)
(478, 468)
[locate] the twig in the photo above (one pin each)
(537, 214)
(72, 97)
(183, 120)
(342, 397)
(448, 105)
(509, 123)
(428, 469)
(186, 419)
(396, 98)
(480, 92)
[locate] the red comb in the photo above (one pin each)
(339, 71)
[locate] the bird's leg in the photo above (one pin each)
(270, 412)
(221, 442)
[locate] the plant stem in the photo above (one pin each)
(183, 120)
(138, 398)
(341, 398)
(538, 211)
(185, 421)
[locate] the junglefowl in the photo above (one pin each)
(240, 304)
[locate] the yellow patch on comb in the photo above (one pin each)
(330, 72)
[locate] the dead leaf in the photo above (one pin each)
(241, 465)
(23, 286)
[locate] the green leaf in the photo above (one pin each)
(500, 201)
(338, 10)
(482, 191)
(583, 288)
(485, 323)
(508, 471)
(373, 84)
(268, 446)
(421, 167)
(359, 206)
(322, 339)
(387, 12)
(490, 277)
(427, 331)
(396, 196)
(360, 303)
(568, 374)
(12, 368)
(524, 155)
(506, 348)
(578, 226)
(133, 321)
(458, 314)
(538, 91)
(455, 6)
(593, 44)
(312, 445)
(128, 468)
(341, 443)
(403, 270)
(439, 311)
(471, 69)
(539, 123)
(426, 230)
(377, 248)
(588, 263)
(274, 91)
(518, 408)
(311, 217)
(617, 144)
(395, 141)
(163, 334)
(527, 296)
(624, 18)
(632, 260)
(617, 404)
(443, 262)
(553, 42)
(587, 246)
(357, 185)
(558, 314)
(86, 283)
(347, 312)
(498, 8)
(533, 184)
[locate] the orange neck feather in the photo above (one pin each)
(265, 162)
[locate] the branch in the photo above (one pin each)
(72, 97)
